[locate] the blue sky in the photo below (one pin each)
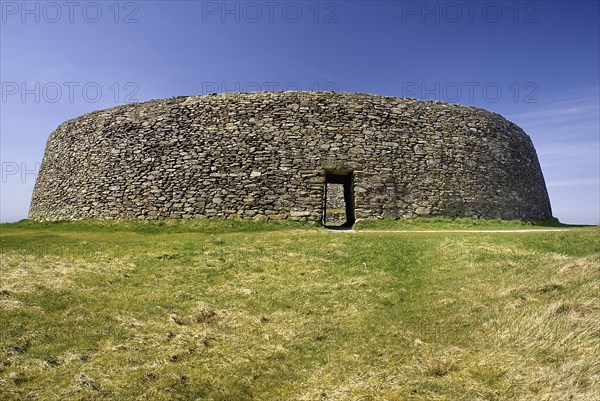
(537, 63)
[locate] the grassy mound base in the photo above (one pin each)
(445, 223)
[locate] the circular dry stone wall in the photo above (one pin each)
(270, 155)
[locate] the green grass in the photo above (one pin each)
(206, 226)
(444, 223)
(223, 310)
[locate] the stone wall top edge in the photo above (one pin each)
(150, 105)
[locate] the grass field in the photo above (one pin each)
(222, 310)
(441, 223)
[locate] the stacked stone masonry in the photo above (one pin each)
(265, 155)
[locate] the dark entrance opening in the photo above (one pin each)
(338, 202)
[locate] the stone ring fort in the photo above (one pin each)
(274, 155)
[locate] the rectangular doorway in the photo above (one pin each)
(338, 199)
